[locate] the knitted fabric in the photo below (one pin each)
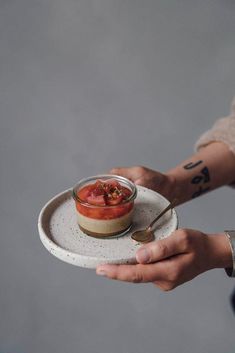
(223, 130)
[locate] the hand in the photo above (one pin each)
(174, 260)
(162, 183)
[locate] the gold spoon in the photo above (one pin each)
(146, 235)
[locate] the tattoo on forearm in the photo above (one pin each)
(200, 192)
(191, 165)
(202, 177)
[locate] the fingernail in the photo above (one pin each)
(142, 255)
(100, 272)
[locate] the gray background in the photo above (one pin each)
(84, 86)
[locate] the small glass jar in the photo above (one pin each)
(99, 218)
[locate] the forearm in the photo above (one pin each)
(208, 169)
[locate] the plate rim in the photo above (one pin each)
(69, 256)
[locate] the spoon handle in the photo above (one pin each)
(170, 206)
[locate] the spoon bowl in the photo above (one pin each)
(146, 235)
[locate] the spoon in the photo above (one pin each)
(146, 235)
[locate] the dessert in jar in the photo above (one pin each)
(105, 205)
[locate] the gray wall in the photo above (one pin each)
(84, 86)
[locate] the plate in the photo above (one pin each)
(62, 237)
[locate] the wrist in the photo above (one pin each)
(178, 186)
(170, 189)
(230, 234)
(219, 251)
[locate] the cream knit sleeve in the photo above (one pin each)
(223, 130)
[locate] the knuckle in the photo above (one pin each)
(172, 276)
(140, 181)
(168, 287)
(164, 286)
(182, 233)
(186, 240)
(162, 249)
(140, 169)
(137, 276)
(174, 273)
(114, 170)
(114, 274)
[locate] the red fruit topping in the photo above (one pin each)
(104, 193)
(114, 200)
(97, 200)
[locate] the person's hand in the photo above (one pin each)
(162, 183)
(174, 260)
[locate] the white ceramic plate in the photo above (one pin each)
(61, 235)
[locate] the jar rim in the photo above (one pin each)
(123, 180)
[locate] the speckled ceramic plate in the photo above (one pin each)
(61, 235)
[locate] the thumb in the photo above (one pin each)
(159, 250)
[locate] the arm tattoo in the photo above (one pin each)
(191, 165)
(200, 192)
(202, 177)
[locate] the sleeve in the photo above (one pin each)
(223, 130)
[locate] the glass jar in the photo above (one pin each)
(104, 205)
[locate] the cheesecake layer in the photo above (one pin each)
(106, 227)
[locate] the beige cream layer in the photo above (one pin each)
(105, 226)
